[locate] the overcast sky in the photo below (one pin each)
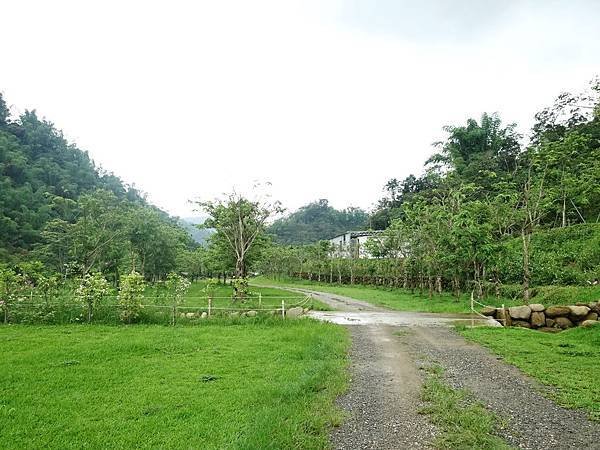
(324, 99)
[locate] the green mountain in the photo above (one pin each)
(317, 221)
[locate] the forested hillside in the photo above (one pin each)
(57, 207)
(491, 208)
(316, 221)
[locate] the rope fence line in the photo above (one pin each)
(474, 311)
(204, 308)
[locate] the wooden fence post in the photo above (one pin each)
(259, 300)
(283, 309)
(209, 305)
(472, 311)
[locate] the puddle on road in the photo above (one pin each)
(395, 318)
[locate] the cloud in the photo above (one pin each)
(189, 99)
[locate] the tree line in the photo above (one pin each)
(487, 211)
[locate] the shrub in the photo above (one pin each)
(131, 293)
(92, 288)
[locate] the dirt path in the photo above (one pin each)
(388, 347)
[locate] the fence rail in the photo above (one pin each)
(209, 307)
(474, 311)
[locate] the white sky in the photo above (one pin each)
(325, 99)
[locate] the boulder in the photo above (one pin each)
(520, 312)
(591, 316)
(500, 315)
(538, 319)
(594, 306)
(251, 314)
(204, 315)
(550, 322)
(557, 311)
(563, 322)
(190, 315)
(579, 311)
(521, 323)
(488, 311)
(294, 313)
(537, 307)
(589, 323)
(234, 315)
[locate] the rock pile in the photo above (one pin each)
(538, 316)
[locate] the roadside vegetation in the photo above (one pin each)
(567, 361)
(491, 214)
(394, 298)
(268, 385)
(462, 421)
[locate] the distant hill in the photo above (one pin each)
(199, 235)
(317, 221)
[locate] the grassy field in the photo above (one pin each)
(393, 298)
(270, 297)
(568, 361)
(237, 386)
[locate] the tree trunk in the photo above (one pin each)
(526, 272)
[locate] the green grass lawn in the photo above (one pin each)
(393, 298)
(213, 386)
(568, 361)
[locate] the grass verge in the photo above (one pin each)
(393, 298)
(148, 386)
(463, 423)
(567, 361)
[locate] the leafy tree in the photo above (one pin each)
(239, 223)
(131, 293)
(92, 288)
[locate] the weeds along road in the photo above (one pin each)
(390, 349)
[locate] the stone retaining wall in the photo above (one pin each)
(554, 317)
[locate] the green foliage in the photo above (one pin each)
(12, 286)
(58, 207)
(317, 221)
(177, 287)
(131, 294)
(240, 226)
(92, 288)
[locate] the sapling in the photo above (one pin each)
(131, 293)
(92, 289)
(177, 287)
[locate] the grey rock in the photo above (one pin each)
(557, 311)
(538, 319)
(294, 313)
(520, 312)
(251, 314)
(488, 311)
(591, 316)
(563, 322)
(537, 307)
(579, 311)
(589, 323)
(521, 323)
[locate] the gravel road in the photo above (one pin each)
(383, 399)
